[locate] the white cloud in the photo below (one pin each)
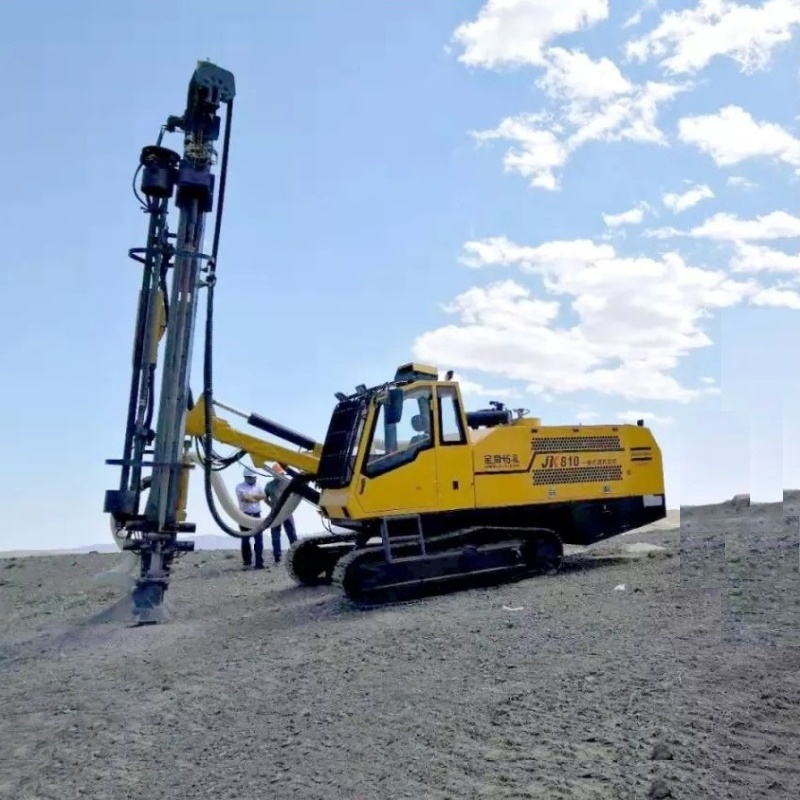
(662, 233)
(600, 106)
(539, 151)
(506, 305)
(757, 258)
(690, 198)
(633, 20)
(593, 100)
(562, 254)
(728, 227)
(574, 76)
(632, 217)
(647, 416)
(686, 41)
(586, 416)
(724, 227)
(774, 297)
(636, 318)
(585, 317)
(732, 135)
(637, 17)
(515, 32)
(628, 117)
(738, 180)
(473, 389)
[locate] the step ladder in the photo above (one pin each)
(414, 538)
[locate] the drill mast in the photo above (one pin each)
(169, 311)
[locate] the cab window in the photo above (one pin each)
(451, 427)
(391, 445)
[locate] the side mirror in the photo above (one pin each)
(394, 406)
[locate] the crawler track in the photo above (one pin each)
(311, 561)
(474, 557)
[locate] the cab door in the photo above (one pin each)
(398, 473)
(455, 477)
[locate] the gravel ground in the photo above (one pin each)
(685, 683)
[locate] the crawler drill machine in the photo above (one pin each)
(434, 495)
(423, 493)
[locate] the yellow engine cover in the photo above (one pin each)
(520, 465)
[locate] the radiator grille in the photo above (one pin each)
(547, 477)
(574, 444)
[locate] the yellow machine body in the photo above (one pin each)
(588, 482)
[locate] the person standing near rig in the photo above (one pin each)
(272, 491)
(250, 498)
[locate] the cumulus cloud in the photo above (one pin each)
(537, 151)
(573, 76)
(630, 319)
(728, 227)
(593, 100)
(473, 389)
(577, 315)
(776, 297)
(758, 258)
(732, 136)
(636, 18)
(738, 180)
(516, 32)
(686, 41)
(595, 103)
(681, 202)
(725, 227)
(497, 251)
(634, 216)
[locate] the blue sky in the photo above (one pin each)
(414, 179)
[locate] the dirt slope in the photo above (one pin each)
(557, 687)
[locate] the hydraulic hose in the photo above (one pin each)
(277, 516)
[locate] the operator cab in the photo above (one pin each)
(407, 416)
(390, 424)
(375, 431)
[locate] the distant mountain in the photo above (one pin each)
(203, 542)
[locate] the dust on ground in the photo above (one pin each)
(663, 671)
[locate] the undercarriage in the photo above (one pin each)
(404, 567)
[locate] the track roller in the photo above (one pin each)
(543, 551)
(311, 561)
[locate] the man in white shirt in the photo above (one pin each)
(250, 498)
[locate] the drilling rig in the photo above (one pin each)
(424, 492)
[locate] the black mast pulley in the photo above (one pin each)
(159, 170)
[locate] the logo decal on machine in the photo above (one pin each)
(501, 460)
(573, 461)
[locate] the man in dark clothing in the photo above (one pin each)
(271, 493)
